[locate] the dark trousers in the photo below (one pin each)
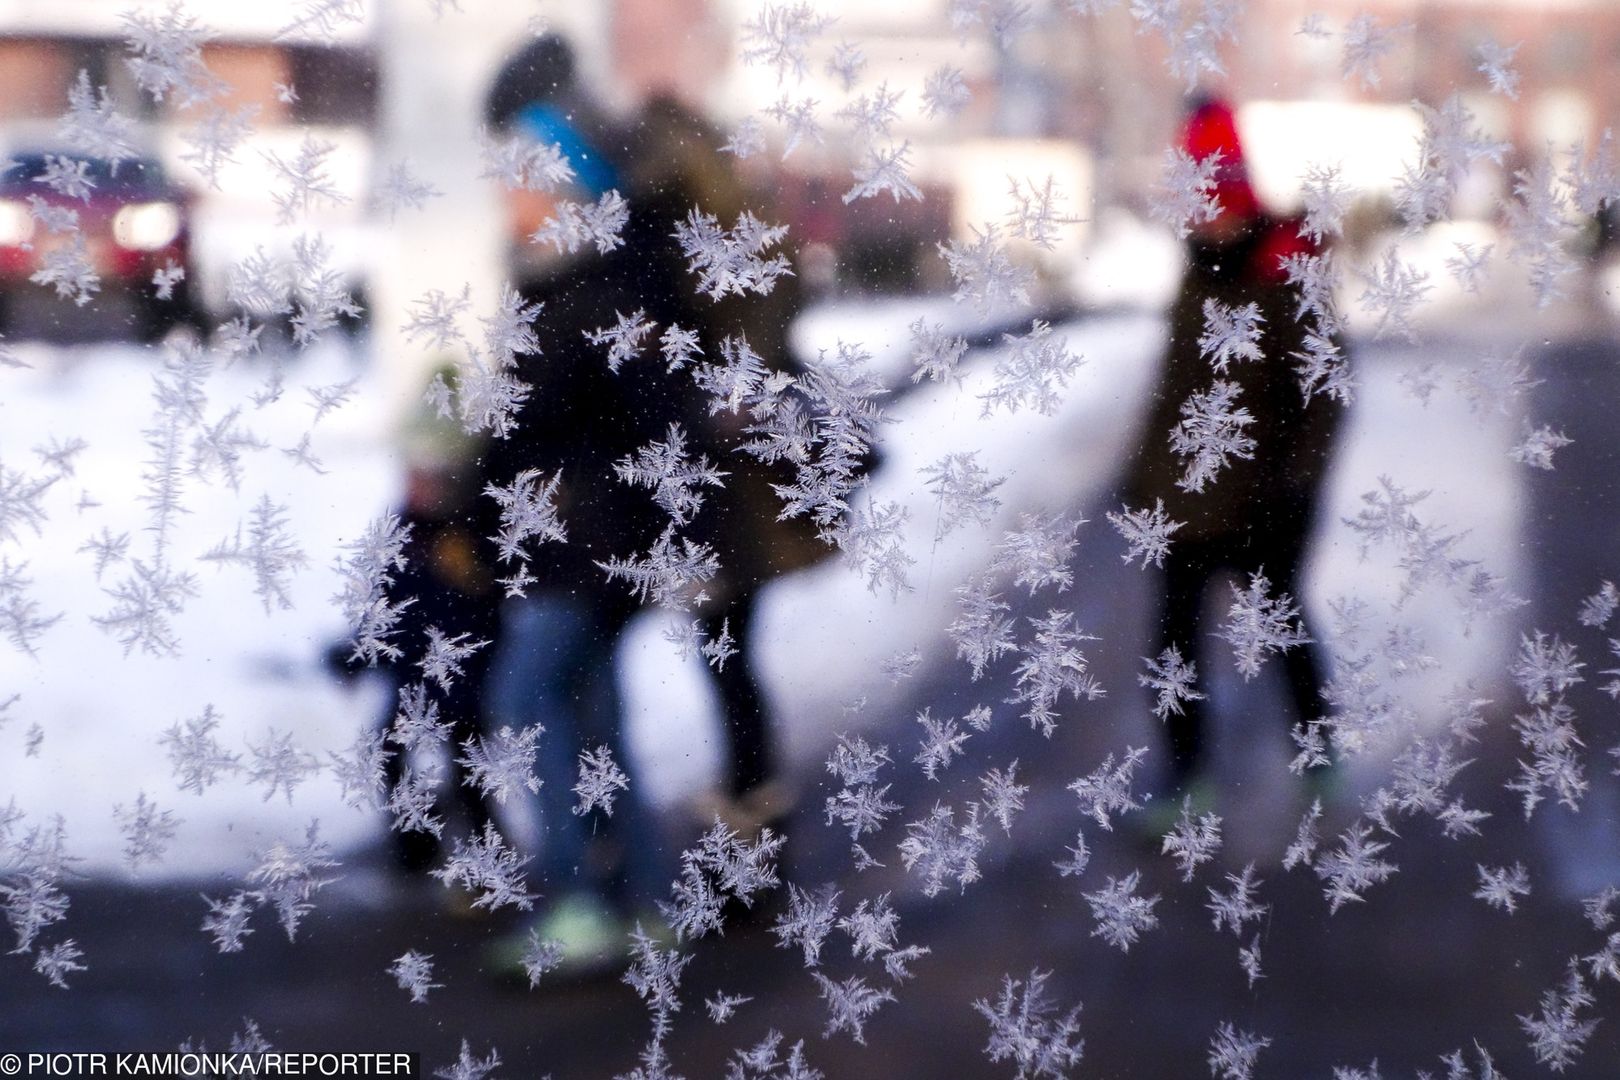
(750, 759)
(1190, 569)
(462, 708)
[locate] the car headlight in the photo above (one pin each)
(146, 226)
(16, 223)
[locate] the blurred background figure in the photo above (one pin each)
(554, 662)
(447, 586)
(537, 93)
(676, 167)
(1257, 514)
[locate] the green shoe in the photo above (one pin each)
(1155, 820)
(577, 938)
(1325, 782)
(650, 921)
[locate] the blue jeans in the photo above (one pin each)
(555, 666)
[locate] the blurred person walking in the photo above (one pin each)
(677, 166)
(554, 664)
(1257, 514)
(445, 586)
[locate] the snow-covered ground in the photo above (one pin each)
(102, 712)
(823, 634)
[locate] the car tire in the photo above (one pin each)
(155, 318)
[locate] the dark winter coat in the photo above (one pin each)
(447, 585)
(581, 418)
(1276, 493)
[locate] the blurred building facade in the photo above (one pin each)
(1086, 99)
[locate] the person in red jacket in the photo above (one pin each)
(1254, 514)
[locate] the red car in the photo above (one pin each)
(134, 224)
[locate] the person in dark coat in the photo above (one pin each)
(554, 664)
(1256, 514)
(677, 166)
(583, 418)
(448, 587)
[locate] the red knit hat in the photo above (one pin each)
(1212, 128)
